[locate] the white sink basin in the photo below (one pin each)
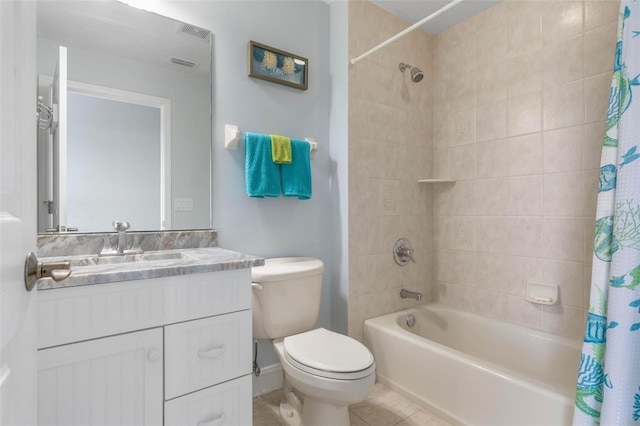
(130, 258)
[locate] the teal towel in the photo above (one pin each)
(261, 173)
(296, 177)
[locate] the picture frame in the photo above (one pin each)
(277, 66)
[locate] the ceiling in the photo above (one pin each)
(117, 29)
(157, 39)
(413, 11)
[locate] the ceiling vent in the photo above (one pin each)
(184, 63)
(194, 31)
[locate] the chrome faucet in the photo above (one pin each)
(121, 228)
(121, 249)
(406, 294)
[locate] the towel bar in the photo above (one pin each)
(232, 135)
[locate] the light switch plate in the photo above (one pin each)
(183, 204)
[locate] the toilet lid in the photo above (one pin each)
(325, 353)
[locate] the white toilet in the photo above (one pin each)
(331, 370)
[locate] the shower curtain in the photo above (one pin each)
(608, 385)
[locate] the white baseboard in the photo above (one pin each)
(271, 378)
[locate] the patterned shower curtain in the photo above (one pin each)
(608, 388)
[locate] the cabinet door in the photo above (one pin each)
(109, 381)
(228, 404)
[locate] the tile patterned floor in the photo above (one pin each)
(383, 407)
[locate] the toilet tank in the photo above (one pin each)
(285, 296)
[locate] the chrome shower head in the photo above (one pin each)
(416, 73)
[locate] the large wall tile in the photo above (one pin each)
(563, 194)
(561, 20)
(524, 114)
(491, 157)
(491, 121)
(463, 127)
(525, 155)
(563, 62)
(600, 12)
(564, 239)
(524, 74)
(563, 149)
(525, 195)
(599, 49)
(563, 105)
(524, 31)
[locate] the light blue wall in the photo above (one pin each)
(271, 227)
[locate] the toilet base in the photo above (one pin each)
(312, 412)
(322, 413)
(290, 407)
(326, 400)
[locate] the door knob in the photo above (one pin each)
(34, 270)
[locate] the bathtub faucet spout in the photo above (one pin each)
(406, 294)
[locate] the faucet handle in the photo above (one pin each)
(107, 250)
(120, 226)
(406, 252)
(402, 252)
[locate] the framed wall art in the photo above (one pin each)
(277, 66)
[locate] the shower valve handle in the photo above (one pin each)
(402, 252)
(406, 252)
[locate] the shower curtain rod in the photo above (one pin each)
(407, 30)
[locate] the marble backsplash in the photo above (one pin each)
(86, 244)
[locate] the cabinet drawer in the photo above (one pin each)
(202, 353)
(228, 403)
(73, 314)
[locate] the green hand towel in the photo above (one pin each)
(280, 149)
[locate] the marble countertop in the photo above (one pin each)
(88, 270)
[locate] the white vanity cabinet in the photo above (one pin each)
(173, 350)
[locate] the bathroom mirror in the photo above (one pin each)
(138, 119)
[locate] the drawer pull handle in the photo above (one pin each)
(211, 353)
(216, 420)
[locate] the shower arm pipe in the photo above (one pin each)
(407, 30)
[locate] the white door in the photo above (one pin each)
(59, 132)
(18, 361)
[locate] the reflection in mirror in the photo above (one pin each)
(92, 185)
(137, 139)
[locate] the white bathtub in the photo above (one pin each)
(474, 370)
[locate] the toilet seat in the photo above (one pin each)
(327, 354)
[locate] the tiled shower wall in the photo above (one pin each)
(515, 100)
(520, 94)
(389, 149)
